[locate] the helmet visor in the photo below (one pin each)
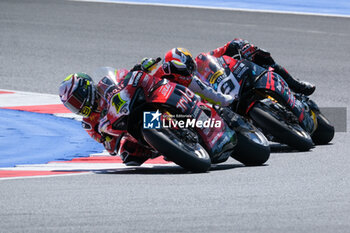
(81, 96)
(77, 100)
(191, 65)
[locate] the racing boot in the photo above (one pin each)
(132, 153)
(303, 87)
(131, 160)
(296, 85)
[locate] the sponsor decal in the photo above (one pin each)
(183, 102)
(86, 111)
(118, 102)
(227, 87)
(137, 79)
(166, 90)
(111, 91)
(214, 77)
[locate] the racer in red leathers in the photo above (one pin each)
(180, 67)
(79, 94)
(239, 48)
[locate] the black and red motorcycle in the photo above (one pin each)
(170, 119)
(264, 97)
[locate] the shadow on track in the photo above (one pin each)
(282, 148)
(168, 170)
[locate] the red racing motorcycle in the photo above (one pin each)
(264, 97)
(170, 119)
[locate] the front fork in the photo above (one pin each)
(219, 141)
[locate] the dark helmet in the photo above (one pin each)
(182, 55)
(78, 93)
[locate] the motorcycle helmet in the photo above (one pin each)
(182, 55)
(77, 92)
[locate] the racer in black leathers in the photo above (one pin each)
(240, 70)
(239, 48)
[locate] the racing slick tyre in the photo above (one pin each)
(289, 133)
(324, 132)
(182, 151)
(252, 148)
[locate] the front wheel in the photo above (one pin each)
(272, 122)
(252, 148)
(324, 132)
(185, 153)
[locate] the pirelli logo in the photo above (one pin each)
(215, 76)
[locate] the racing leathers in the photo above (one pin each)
(239, 48)
(176, 71)
(99, 124)
(230, 74)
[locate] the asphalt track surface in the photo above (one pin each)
(43, 41)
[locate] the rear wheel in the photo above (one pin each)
(183, 151)
(324, 132)
(274, 123)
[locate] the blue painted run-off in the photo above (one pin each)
(339, 7)
(31, 138)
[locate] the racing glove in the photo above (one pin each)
(251, 52)
(110, 143)
(147, 65)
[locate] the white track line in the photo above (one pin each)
(215, 8)
(21, 98)
(71, 166)
(46, 176)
